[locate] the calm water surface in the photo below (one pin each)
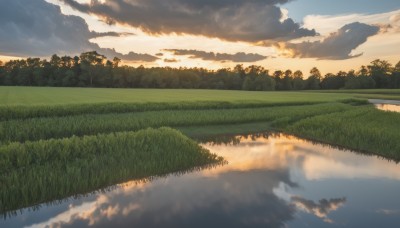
(278, 181)
(386, 105)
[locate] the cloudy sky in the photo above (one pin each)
(277, 34)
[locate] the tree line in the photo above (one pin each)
(92, 69)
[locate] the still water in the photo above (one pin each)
(269, 181)
(386, 105)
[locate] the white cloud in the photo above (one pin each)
(326, 24)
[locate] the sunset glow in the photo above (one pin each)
(237, 32)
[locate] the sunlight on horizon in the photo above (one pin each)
(385, 45)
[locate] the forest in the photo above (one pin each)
(92, 69)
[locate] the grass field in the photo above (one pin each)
(90, 132)
(52, 96)
(59, 127)
(364, 91)
(389, 94)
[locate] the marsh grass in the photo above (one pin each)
(49, 152)
(41, 171)
(361, 128)
(60, 127)
(38, 111)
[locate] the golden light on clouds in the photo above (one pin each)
(281, 46)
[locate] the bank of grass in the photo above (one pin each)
(27, 112)
(80, 125)
(364, 128)
(231, 129)
(41, 171)
(229, 134)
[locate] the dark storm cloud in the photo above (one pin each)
(38, 28)
(336, 46)
(211, 56)
(233, 20)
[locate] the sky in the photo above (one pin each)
(332, 35)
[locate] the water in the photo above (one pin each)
(386, 105)
(270, 181)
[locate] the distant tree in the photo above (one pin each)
(298, 82)
(247, 84)
(39, 76)
(188, 79)
(380, 70)
(69, 79)
(351, 73)
(353, 83)
(331, 81)
(313, 81)
(278, 77)
(264, 82)
(221, 79)
(150, 80)
(360, 82)
(367, 82)
(2, 73)
(363, 71)
(395, 77)
(55, 61)
(91, 65)
(298, 74)
(314, 72)
(95, 70)
(236, 81)
(287, 81)
(116, 62)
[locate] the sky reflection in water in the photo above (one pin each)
(388, 107)
(275, 181)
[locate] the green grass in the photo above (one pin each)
(228, 134)
(388, 94)
(40, 171)
(80, 125)
(361, 128)
(26, 112)
(363, 91)
(52, 96)
(57, 142)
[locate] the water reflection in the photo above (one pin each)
(271, 180)
(388, 107)
(320, 209)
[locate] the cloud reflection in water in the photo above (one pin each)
(256, 189)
